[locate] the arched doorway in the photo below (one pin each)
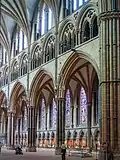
(42, 99)
(80, 74)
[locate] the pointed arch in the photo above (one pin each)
(64, 24)
(17, 92)
(42, 80)
(85, 9)
(71, 61)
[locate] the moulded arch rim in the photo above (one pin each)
(36, 79)
(21, 58)
(4, 69)
(83, 12)
(46, 40)
(78, 54)
(13, 63)
(64, 24)
(15, 88)
(33, 48)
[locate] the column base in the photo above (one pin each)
(31, 149)
(57, 151)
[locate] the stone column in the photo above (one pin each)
(9, 129)
(0, 123)
(48, 118)
(18, 120)
(91, 31)
(12, 130)
(31, 129)
(60, 131)
(62, 105)
(110, 75)
(57, 150)
(72, 116)
(74, 120)
(89, 109)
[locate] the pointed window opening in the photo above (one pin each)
(86, 32)
(95, 27)
(83, 106)
(67, 108)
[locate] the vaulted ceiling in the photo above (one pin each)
(21, 12)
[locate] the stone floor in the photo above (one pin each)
(43, 154)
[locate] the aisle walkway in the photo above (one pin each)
(43, 154)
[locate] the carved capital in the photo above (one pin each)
(61, 92)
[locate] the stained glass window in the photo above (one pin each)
(83, 106)
(67, 108)
(54, 116)
(25, 119)
(43, 114)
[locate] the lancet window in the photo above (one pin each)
(45, 20)
(68, 38)
(19, 42)
(43, 114)
(67, 108)
(83, 106)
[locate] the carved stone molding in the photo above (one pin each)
(109, 15)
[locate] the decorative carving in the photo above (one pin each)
(76, 15)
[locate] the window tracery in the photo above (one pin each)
(89, 26)
(37, 57)
(15, 71)
(68, 39)
(50, 49)
(24, 66)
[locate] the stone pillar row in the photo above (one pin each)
(32, 126)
